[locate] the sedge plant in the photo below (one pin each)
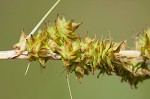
(83, 56)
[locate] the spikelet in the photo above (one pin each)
(84, 56)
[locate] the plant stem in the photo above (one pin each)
(24, 55)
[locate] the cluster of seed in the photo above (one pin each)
(84, 56)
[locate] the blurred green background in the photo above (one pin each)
(123, 19)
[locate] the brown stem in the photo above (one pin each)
(8, 54)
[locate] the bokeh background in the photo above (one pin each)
(123, 19)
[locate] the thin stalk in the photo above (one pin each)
(24, 55)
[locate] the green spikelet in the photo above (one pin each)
(84, 56)
(144, 43)
(22, 39)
